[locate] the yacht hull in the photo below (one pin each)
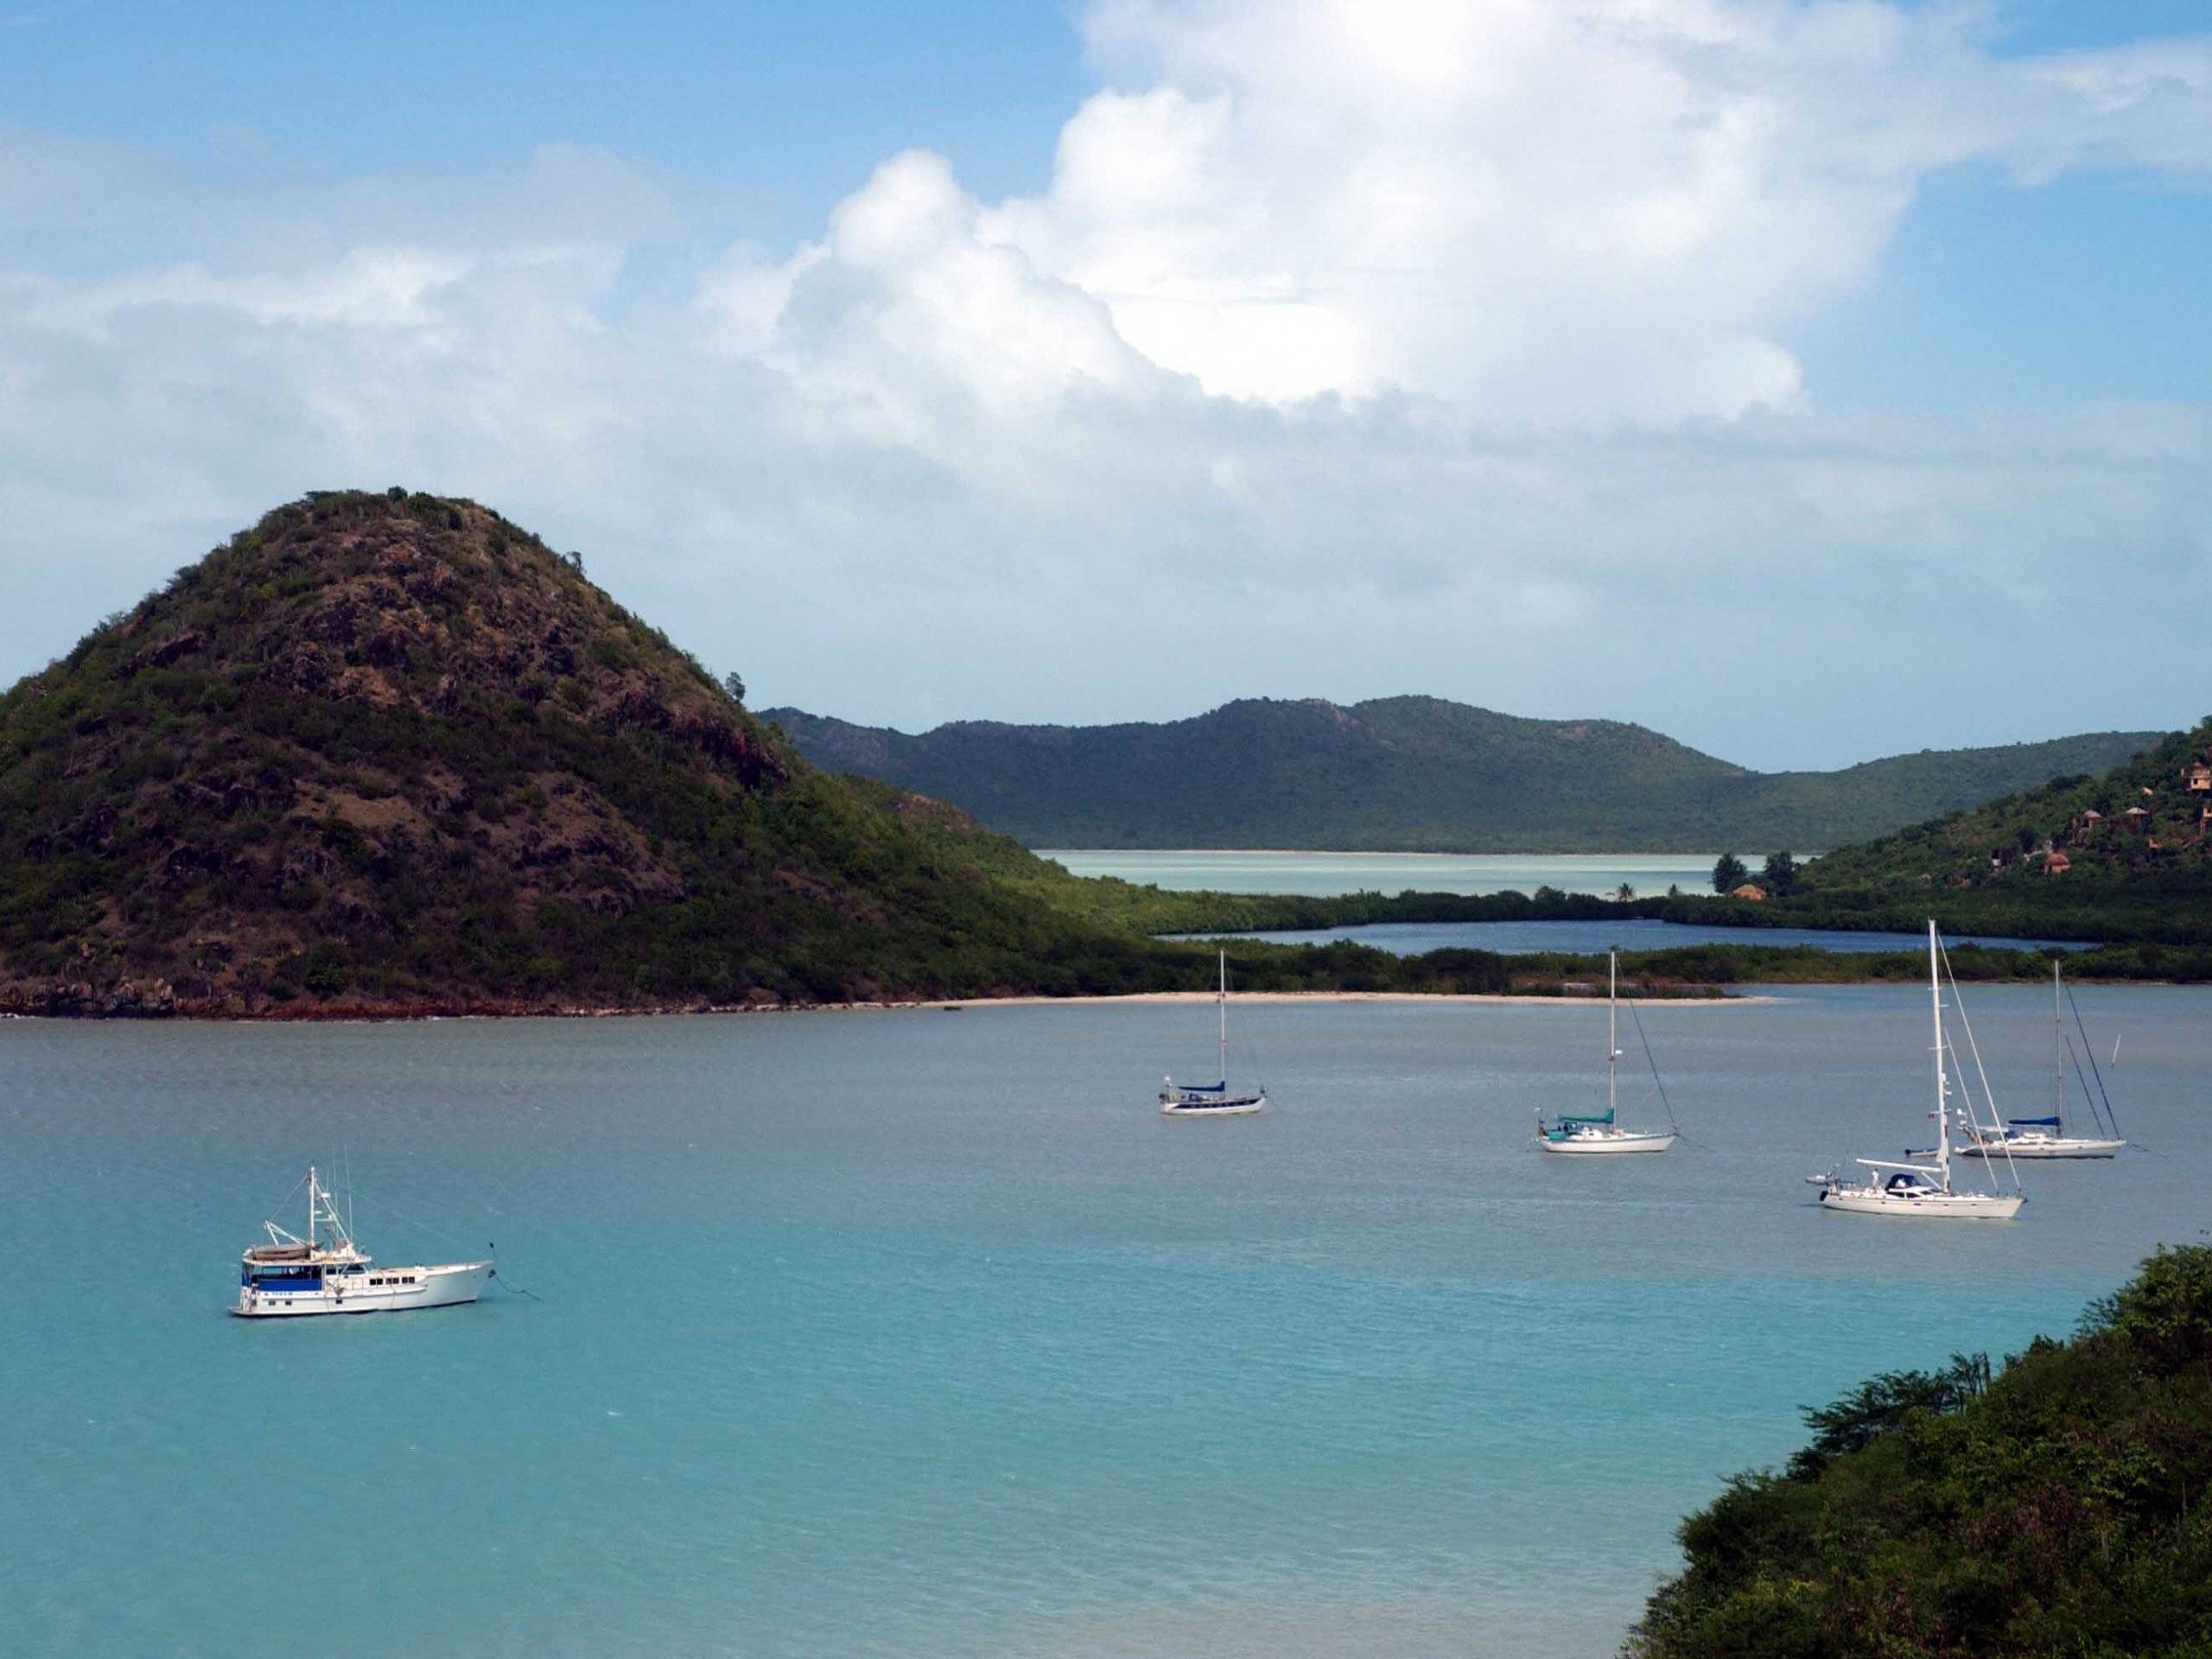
(2057, 1147)
(1594, 1143)
(1930, 1206)
(448, 1286)
(1213, 1108)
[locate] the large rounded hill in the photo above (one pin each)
(388, 750)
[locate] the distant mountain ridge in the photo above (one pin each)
(1416, 774)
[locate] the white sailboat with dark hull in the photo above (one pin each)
(1921, 1189)
(2046, 1137)
(327, 1273)
(1592, 1132)
(1212, 1099)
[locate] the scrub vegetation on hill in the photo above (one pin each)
(390, 751)
(2124, 855)
(2054, 1508)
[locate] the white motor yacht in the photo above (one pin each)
(327, 1273)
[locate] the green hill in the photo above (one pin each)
(1413, 774)
(2054, 1510)
(388, 751)
(2126, 854)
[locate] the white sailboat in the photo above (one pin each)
(1914, 1189)
(2046, 1137)
(328, 1273)
(1589, 1131)
(1212, 1099)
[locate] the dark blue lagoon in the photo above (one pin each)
(1628, 933)
(925, 1334)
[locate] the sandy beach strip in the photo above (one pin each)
(1244, 997)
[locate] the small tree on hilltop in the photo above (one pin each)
(1729, 874)
(1780, 875)
(734, 683)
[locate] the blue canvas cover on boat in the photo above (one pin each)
(1586, 1117)
(2034, 1123)
(1202, 1088)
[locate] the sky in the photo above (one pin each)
(1806, 381)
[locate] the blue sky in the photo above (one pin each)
(1102, 361)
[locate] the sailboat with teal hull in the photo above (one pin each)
(1596, 1132)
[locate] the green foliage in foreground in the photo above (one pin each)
(2058, 1508)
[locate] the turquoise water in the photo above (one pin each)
(1326, 874)
(922, 1334)
(1627, 933)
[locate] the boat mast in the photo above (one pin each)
(2057, 1055)
(1612, 1024)
(1943, 1083)
(1221, 1001)
(311, 1207)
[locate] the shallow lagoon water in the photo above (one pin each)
(922, 1333)
(1326, 874)
(1625, 933)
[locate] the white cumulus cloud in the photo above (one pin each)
(1350, 348)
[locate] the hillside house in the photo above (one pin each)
(1750, 892)
(2136, 816)
(2056, 863)
(2088, 820)
(2198, 780)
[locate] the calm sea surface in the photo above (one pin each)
(922, 1334)
(1326, 874)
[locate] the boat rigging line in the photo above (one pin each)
(1652, 1061)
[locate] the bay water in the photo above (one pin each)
(922, 1333)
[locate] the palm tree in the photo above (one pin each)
(1623, 893)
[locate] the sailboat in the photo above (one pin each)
(2046, 1137)
(1212, 1099)
(1895, 1189)
(1591, 1131)
(328, 1273)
